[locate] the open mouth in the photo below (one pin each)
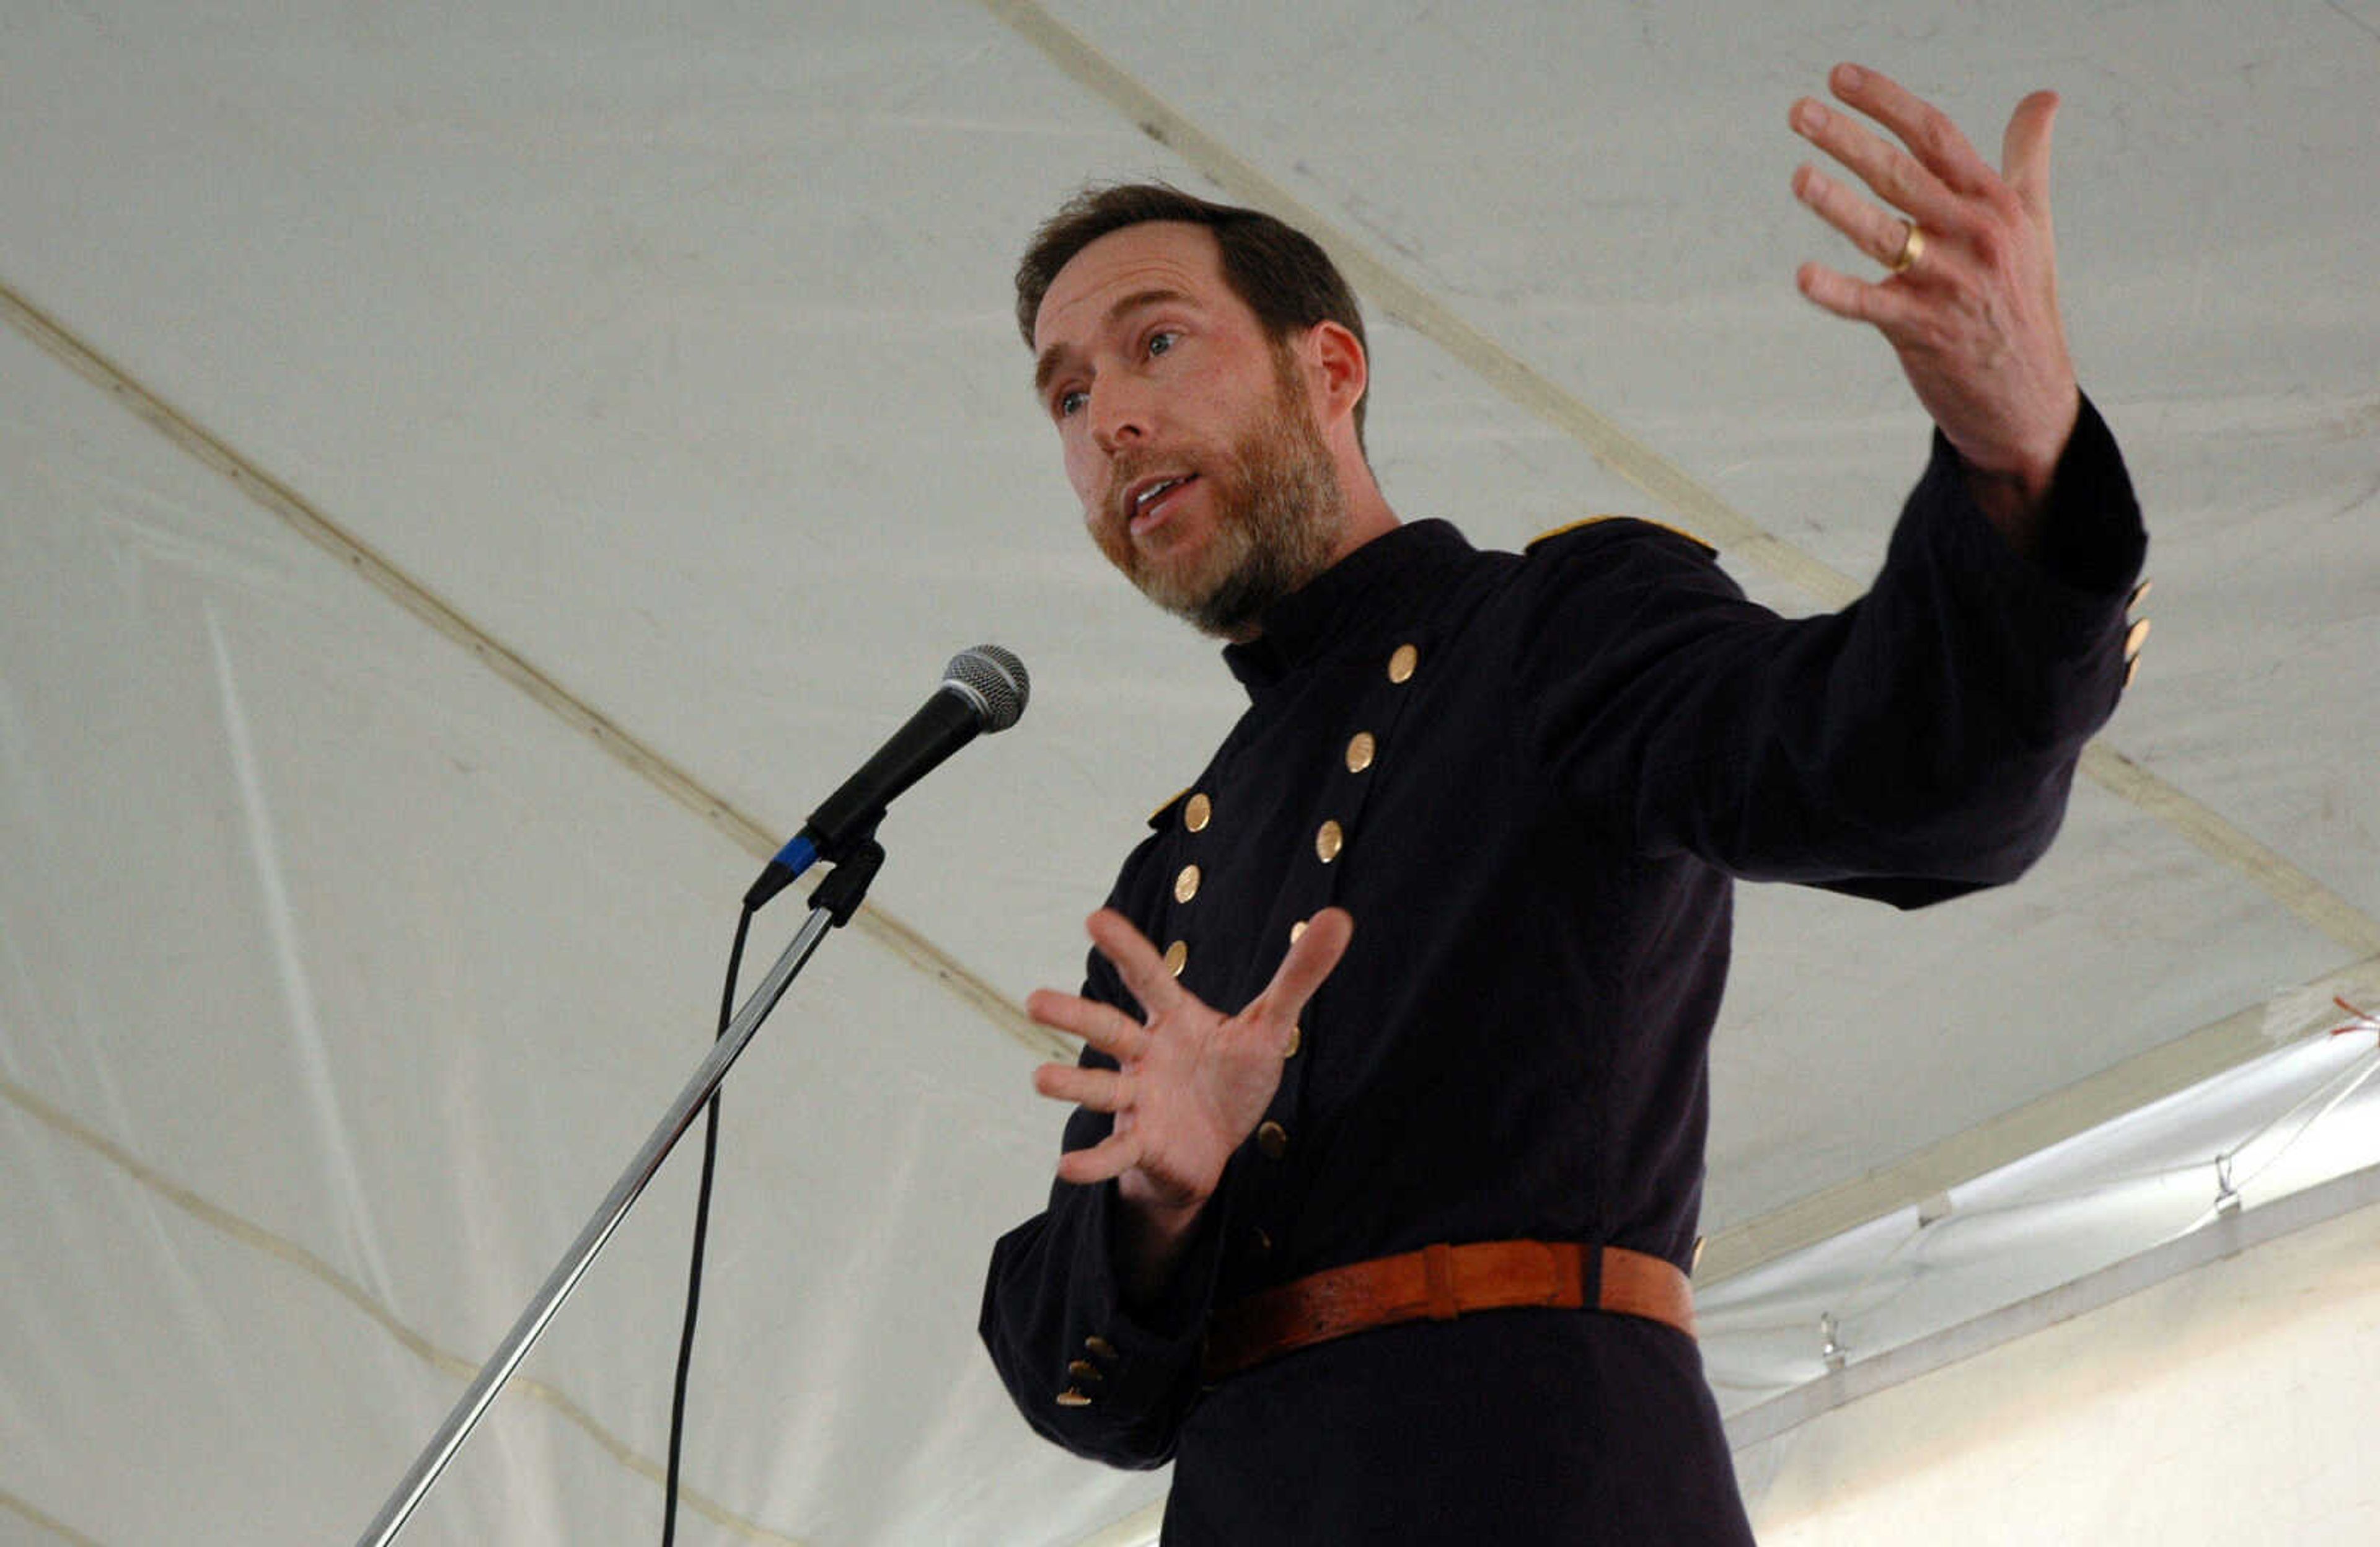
(1148, 503)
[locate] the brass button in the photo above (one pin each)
(1328, 839)
(1360, 751)
(1072, 1397)
(2131, 670)
(1177, 955)
(1185, 886)
(1083, 1372)
(1195, 815)
(1295, 930)
(1101, 1349)
(1258, 1242)
(1296, 1040)
(2137, 636)
(1402, 664)
(2140, 594)
(1273, 1139)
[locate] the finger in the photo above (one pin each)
(1924, 128)
(1103, 1026)
(1137, 961)
(2024, 152)
(1896, 176)
(1100, 1089)
(1878, 234)
(1105, 1160)
(1859, 301)
(1312, 957)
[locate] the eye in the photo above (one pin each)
(1070, 402)
(1163, 341)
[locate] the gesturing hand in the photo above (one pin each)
(1194, 1082)
(1972, 309)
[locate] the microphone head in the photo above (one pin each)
(993, 680)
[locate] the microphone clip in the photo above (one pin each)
(855, 858)
(845, 886)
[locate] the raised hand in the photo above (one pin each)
(1194, 1082)
(1971, 305)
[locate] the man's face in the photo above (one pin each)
(1189, 436)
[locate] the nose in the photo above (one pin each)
(1119, 414)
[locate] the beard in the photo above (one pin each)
(1279, 512)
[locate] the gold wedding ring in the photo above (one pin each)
(1912, 247)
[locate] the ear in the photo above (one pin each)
(1335, 357)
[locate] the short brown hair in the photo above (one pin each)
(1282, 274)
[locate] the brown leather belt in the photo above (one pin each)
(1441, 1283)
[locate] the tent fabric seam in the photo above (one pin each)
(256, 1237)
(49, 1523)
(901, 939)
(2300, 893)
(1701, 509)
(1668, 485)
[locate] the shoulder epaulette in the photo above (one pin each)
(1570, 527)
(1164, 813)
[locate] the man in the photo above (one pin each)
(1376, 1205)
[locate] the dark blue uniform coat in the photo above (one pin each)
(1531, 779)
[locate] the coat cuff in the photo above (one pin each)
(2092, 542)
(1133, 1366)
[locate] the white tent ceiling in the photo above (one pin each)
(470, 474)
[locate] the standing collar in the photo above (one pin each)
(1378, 584)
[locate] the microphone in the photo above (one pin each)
(983, 690)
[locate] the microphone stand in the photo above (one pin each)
(832, 904)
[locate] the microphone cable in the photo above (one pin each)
(983, 690)
(702, 1231)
